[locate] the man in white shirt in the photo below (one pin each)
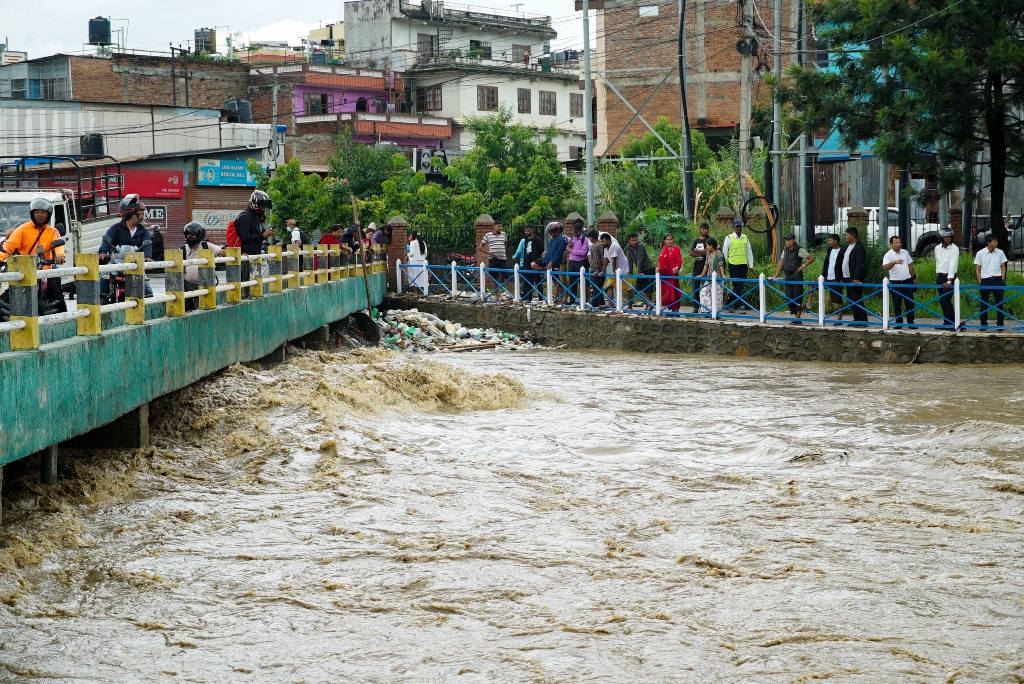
(990, 268)
(614, 260)
(898, 262)
(947, 259)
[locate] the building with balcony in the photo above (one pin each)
(459, 62)
(318, 101)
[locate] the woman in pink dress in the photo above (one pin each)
(670, 260)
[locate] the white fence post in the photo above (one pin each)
(583, 288)
(885, 303)
(714, 295)
(956, 304)
(398, 276)
(551, 288)
(515, 275)
(761, 305)
(483, 284)
(618, 290)
(455, 281)
(657, 293)
(821, 301)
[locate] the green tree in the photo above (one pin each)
(931, 82)
(365, 167)
(314, 202)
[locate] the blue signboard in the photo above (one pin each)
(220, 172)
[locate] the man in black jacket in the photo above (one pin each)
(249, 226)
(855, 270)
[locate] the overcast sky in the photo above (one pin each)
(63, 25)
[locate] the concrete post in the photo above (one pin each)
(256, 273)
(24, 297)
(762, 306)
(322, 263)
(571, 219)
(455, 281)
(48, 463)
(276, 268)
(724, 217)
(483, 225)
(2, 489)
(233, 271)
(398, 276)
(515, 277)
(714, 295)
(956, 304)
(608, 223)
(135, 288)
(130, 431)
(306, 265)
(583, 289)
(208, 280)
(290, 265)
(885, 303)
(87, 291)
(657, 292)
(618, 290)
(174, 283)
(821, 301)
(550, 287)
(398, 248)
(334, 262)
(483, 284)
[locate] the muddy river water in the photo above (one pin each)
(603, 517)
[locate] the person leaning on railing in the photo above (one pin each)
(902, 279)
(855, 272)
(698, 250)
(595, 260)
(528, 253)
(793, 261)
(128, 232)
(29, 236)
(195, 240)
(553, 255)
(670, 260)
(739, 256)
(639, 264)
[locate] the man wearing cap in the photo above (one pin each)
(792, 262)
(739, 257)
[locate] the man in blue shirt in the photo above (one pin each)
(129, 231)
(553, 255)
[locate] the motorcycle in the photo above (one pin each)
(50, 295)
(118, 283)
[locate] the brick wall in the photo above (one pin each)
(713, 64)
(132, 79)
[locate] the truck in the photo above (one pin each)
(923, 236)
(85, 194)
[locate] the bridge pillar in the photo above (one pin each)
(398, 248)
(484, 224)
(1, 495)
(130, 431)
(48, 464)
(608, 223)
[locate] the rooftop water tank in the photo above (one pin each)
(242, 110)
(99, 31)
(92, 145)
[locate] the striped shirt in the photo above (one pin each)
(495, 244)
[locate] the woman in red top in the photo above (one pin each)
(330, 238)
(670, 260)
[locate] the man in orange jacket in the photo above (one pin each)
(36, 233)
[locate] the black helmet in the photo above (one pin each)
(555, 227)
(260, 203)
(131, 204)
(945, 233)
(41, 204)
(196, 230)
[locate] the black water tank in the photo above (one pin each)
(92, 145)
(243, 109)
(318, 58)
(99, 31)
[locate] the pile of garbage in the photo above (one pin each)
(416, 331)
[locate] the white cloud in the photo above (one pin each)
(287, 30)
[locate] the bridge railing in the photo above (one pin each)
(273, 272)
(884, 305)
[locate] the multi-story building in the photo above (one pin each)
(637, 45)
(461, 62)
(317, 101)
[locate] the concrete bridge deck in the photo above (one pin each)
(73, 384)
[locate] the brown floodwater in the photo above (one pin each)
(602, 517)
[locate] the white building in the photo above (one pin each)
(460, 62)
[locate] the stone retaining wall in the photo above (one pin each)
(648, 334)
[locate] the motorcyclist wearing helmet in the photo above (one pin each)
(250, 227)
(129, 231)
(195, 240)
(26, 238)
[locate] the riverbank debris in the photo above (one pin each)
(412, 330)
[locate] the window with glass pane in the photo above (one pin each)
(486, 98)
(547, 103)
(575, 105)
(524, 100)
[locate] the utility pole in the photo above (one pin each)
(273, 115)
(688, 190)
(174, 81)
(883, 193)
(588, 116)
(184, 61)
(806, 142)
(777, 127)
(744, 124)
(903, 203)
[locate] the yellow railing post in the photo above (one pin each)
(135, 288)
(208, 280)
(334, 262)
(306, 265)
(174, 283)
(322, 262)
(291, 266)
(233, 270)
(24, 303)
(256, 273)
(87, 294)
(275, 268)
